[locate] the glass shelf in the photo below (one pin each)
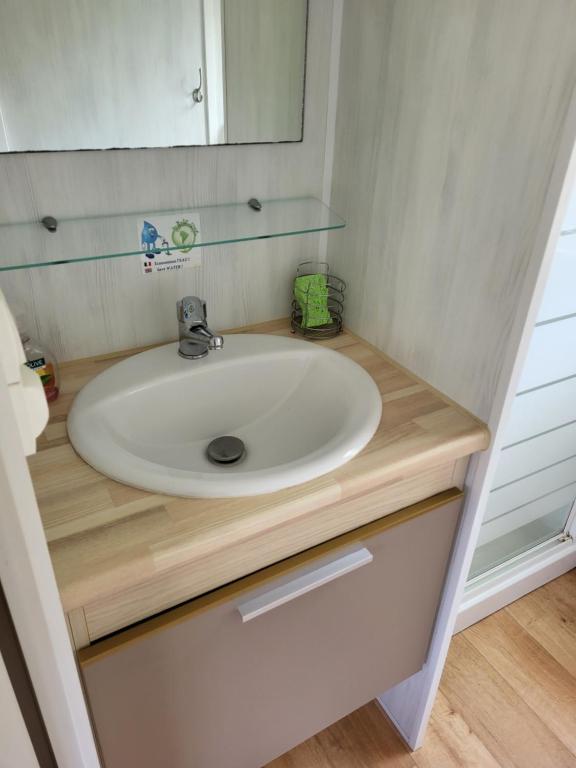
(30, 245)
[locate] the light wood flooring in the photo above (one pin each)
(507, 698)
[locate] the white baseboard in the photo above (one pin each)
(503, 587)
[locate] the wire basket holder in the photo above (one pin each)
(333, 294)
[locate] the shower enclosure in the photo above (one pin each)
(530, 514)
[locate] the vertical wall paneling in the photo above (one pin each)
(448, 124)
(455, 127)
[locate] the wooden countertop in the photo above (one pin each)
(109, 542)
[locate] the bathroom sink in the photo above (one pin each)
(295, 409)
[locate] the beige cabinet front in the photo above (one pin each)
(235, 679)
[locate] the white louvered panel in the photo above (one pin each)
(530, 488)
(552, 354)
(535, 480)
(541, 410)
(523, 459)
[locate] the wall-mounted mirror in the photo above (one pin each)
(102, 74)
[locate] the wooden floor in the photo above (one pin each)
(507, 698)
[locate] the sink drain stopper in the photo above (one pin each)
(226, 450)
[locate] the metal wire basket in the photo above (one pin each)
(334, 294)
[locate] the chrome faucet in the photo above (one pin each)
(196, 339)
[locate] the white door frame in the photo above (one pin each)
(214, 70)
(32, 596)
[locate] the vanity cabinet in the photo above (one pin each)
(237, 677)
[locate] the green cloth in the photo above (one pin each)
(311, 292)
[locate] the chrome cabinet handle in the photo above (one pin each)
(312, 579)
(197, 92)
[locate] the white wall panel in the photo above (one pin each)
(552, 354)
(451, 138)
(449, 122)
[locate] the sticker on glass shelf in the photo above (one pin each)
(167, 242)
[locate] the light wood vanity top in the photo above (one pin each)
(121, 554)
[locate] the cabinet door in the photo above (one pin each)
(236, 678)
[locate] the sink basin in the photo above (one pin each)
(300, 410)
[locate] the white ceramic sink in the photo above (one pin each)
(301, 410)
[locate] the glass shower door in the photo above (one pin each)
(534, 489)
(509, 545)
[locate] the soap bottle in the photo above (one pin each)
(40, 360)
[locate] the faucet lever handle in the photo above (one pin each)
(191, 310)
